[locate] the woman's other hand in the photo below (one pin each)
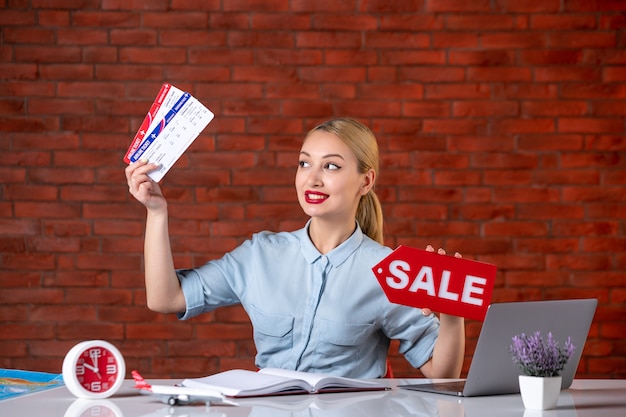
(441, 251)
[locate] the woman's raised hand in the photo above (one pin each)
(142, 187)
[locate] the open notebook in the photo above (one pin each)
(240, 383)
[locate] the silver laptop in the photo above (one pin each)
(492, 370)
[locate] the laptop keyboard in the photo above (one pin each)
(454, 387)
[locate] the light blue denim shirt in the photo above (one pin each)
(312, 312)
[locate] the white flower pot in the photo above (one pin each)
(540, 393)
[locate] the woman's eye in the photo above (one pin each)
(303, 164)
(331, 166)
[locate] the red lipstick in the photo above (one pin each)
(314, 197)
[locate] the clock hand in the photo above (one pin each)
(94, 360)
(91, 368)
(94, 369)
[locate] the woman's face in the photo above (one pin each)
(328, 182)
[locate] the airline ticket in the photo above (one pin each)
(168, 95)
(179, 120)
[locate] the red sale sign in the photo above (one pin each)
(445, 284)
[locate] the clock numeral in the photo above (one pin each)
(80, 370)
(96, 386)
(95, 353)
(111, 369)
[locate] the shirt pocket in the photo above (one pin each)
(344, 340)
(273, 333)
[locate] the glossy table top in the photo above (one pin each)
(593, 398)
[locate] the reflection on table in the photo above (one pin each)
(595, 398)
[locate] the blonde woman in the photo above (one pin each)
(312, 298)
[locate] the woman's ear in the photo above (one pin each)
(368, 182)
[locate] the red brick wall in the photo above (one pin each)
(501, 125)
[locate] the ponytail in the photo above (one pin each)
(369, 215)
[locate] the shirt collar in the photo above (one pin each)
(336, 256)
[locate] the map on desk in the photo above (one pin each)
(14, 382)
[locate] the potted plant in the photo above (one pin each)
(541, 361)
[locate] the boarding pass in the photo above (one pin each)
(178, 122)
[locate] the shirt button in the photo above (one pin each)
(324, 260)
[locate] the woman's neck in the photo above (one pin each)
(326, 235)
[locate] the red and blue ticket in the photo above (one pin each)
(174, 121)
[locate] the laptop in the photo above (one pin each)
(492, 370)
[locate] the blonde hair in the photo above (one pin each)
(361, 140)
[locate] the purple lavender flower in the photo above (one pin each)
(538, 357)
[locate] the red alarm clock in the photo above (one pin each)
(93, 369)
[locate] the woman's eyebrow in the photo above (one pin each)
(330, 155)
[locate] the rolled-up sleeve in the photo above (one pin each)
(217, 283)
(416, 333)
(194, 293)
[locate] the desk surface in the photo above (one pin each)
(593, 398)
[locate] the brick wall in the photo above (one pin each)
(501, 125)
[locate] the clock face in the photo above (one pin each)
(93, 369)
(97, 369)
